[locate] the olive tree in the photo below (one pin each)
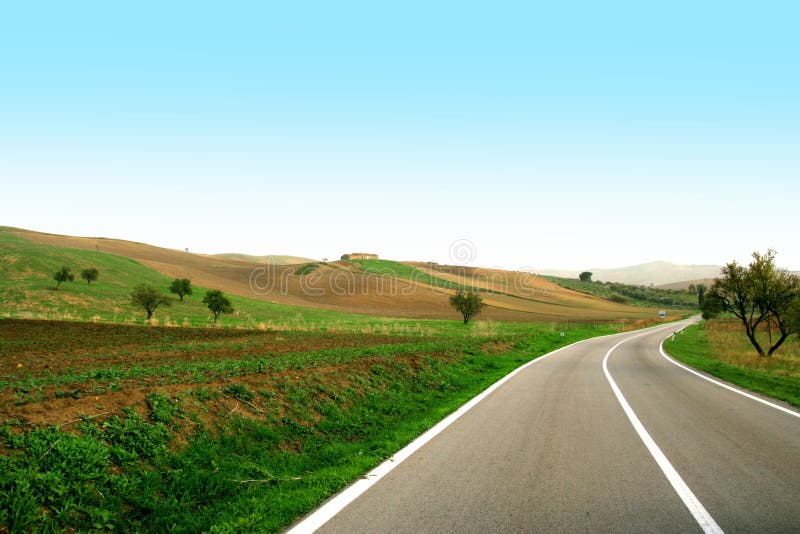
(181, 287)
(63, 275)
(218, 303)
(585, 276)
(467, 303)
(90, 275)
(149, 298)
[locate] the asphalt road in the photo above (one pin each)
(552, 450)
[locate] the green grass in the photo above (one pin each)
(692, 348)
(625, 293)
(404, 271)
(308, 268)
(253, 443)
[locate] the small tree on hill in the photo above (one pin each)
(63, 275)
(757, 294)
(467, 303)
(181, 287)
(90, 275)
(149, 298)
(585, 276)
(218, 303)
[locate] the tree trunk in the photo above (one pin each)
(751, 336)
(777, 345)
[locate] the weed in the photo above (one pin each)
(162, 410)
(238, 391)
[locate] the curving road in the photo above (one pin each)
(605, 435)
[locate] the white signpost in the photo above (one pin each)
(662, 314)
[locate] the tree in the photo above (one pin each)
(90, 274)
(181, 286)
(759, 294)
(701, 294)
(585, 276)
(63, 275)
(218, 303)
(468, 304)
(149, 298)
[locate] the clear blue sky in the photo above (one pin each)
(553, 134)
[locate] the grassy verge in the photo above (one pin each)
(154, 429)
(696, 348)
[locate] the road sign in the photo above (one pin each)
(662, 314)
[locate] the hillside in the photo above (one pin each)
(30, 258)
(263, 260)
(678, 286)
(657, 273)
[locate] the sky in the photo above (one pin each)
(505, 134)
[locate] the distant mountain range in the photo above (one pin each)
(657, 273)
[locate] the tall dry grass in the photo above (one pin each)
(728, 343)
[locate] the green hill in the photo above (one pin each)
(631, 294)
(27, 290)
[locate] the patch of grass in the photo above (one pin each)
(703, 347)
(306, 269)
(238, 391)
(401, 270)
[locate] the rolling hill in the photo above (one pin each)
(385, 289)
(263, 260)
(658, 273)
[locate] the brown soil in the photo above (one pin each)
(37, 348)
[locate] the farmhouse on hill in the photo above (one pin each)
(359, 256)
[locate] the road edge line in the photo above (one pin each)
(690, 500)
(722, 384)
(325, 512)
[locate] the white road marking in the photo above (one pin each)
(726, 386)
(336, 504)
(694, 505)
